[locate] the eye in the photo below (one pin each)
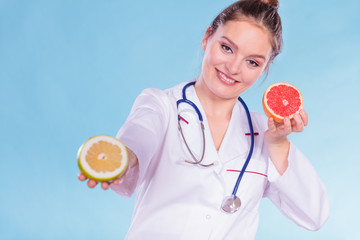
(226, 48)
(252, 63)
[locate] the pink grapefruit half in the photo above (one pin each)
(282, 100)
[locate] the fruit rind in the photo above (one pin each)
(276, 117)
(101, 177)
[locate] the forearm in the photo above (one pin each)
(279, 154)
(133, 161)
(128, 180)
(299, 193)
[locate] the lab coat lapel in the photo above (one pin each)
(235, 145)
(211, 155)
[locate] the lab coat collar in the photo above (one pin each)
(235, 144)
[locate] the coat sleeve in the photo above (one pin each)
(143, 133)
(299, 193)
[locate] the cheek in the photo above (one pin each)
(214, 56)
(210, 61)
(250, 76)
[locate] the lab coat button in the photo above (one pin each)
(208, 217)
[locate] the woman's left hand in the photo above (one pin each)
(276, 139)
(278, 132)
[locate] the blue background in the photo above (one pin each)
(70, 70)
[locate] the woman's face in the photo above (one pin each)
(235, 57)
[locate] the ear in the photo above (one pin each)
(205, 38)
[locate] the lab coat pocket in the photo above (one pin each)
(252, 184)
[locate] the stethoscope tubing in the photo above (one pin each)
(185, 100)
(252, 135)
(188, 148)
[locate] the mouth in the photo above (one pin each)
(225, 78)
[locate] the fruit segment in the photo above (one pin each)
(104, 157)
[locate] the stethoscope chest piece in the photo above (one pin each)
(231, 204)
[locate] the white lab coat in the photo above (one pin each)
(177, 200)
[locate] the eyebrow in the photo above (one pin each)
(232, 43)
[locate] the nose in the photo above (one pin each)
(234, 66)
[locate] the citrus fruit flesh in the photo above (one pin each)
(103, 158)
(282, 100)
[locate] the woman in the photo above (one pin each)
(177, 199)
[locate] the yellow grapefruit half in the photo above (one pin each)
(102, 158)
(282, 100)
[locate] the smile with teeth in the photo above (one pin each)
(225, 78)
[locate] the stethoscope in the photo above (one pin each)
(231, 203)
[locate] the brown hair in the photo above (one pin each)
(263, 12)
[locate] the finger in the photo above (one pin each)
(271, 125)
(299, 127)
(287, 126)
(91, 183)
(116, 181)
(105, 185)
(280, 126)
(82, 177)
(120, 179)
(304, 117)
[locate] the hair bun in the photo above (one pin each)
(272, 3)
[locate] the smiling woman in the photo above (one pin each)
(183, 176)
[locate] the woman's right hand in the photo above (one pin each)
(92, 183)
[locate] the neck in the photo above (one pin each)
(214, 106)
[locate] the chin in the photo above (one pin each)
(224, 93)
